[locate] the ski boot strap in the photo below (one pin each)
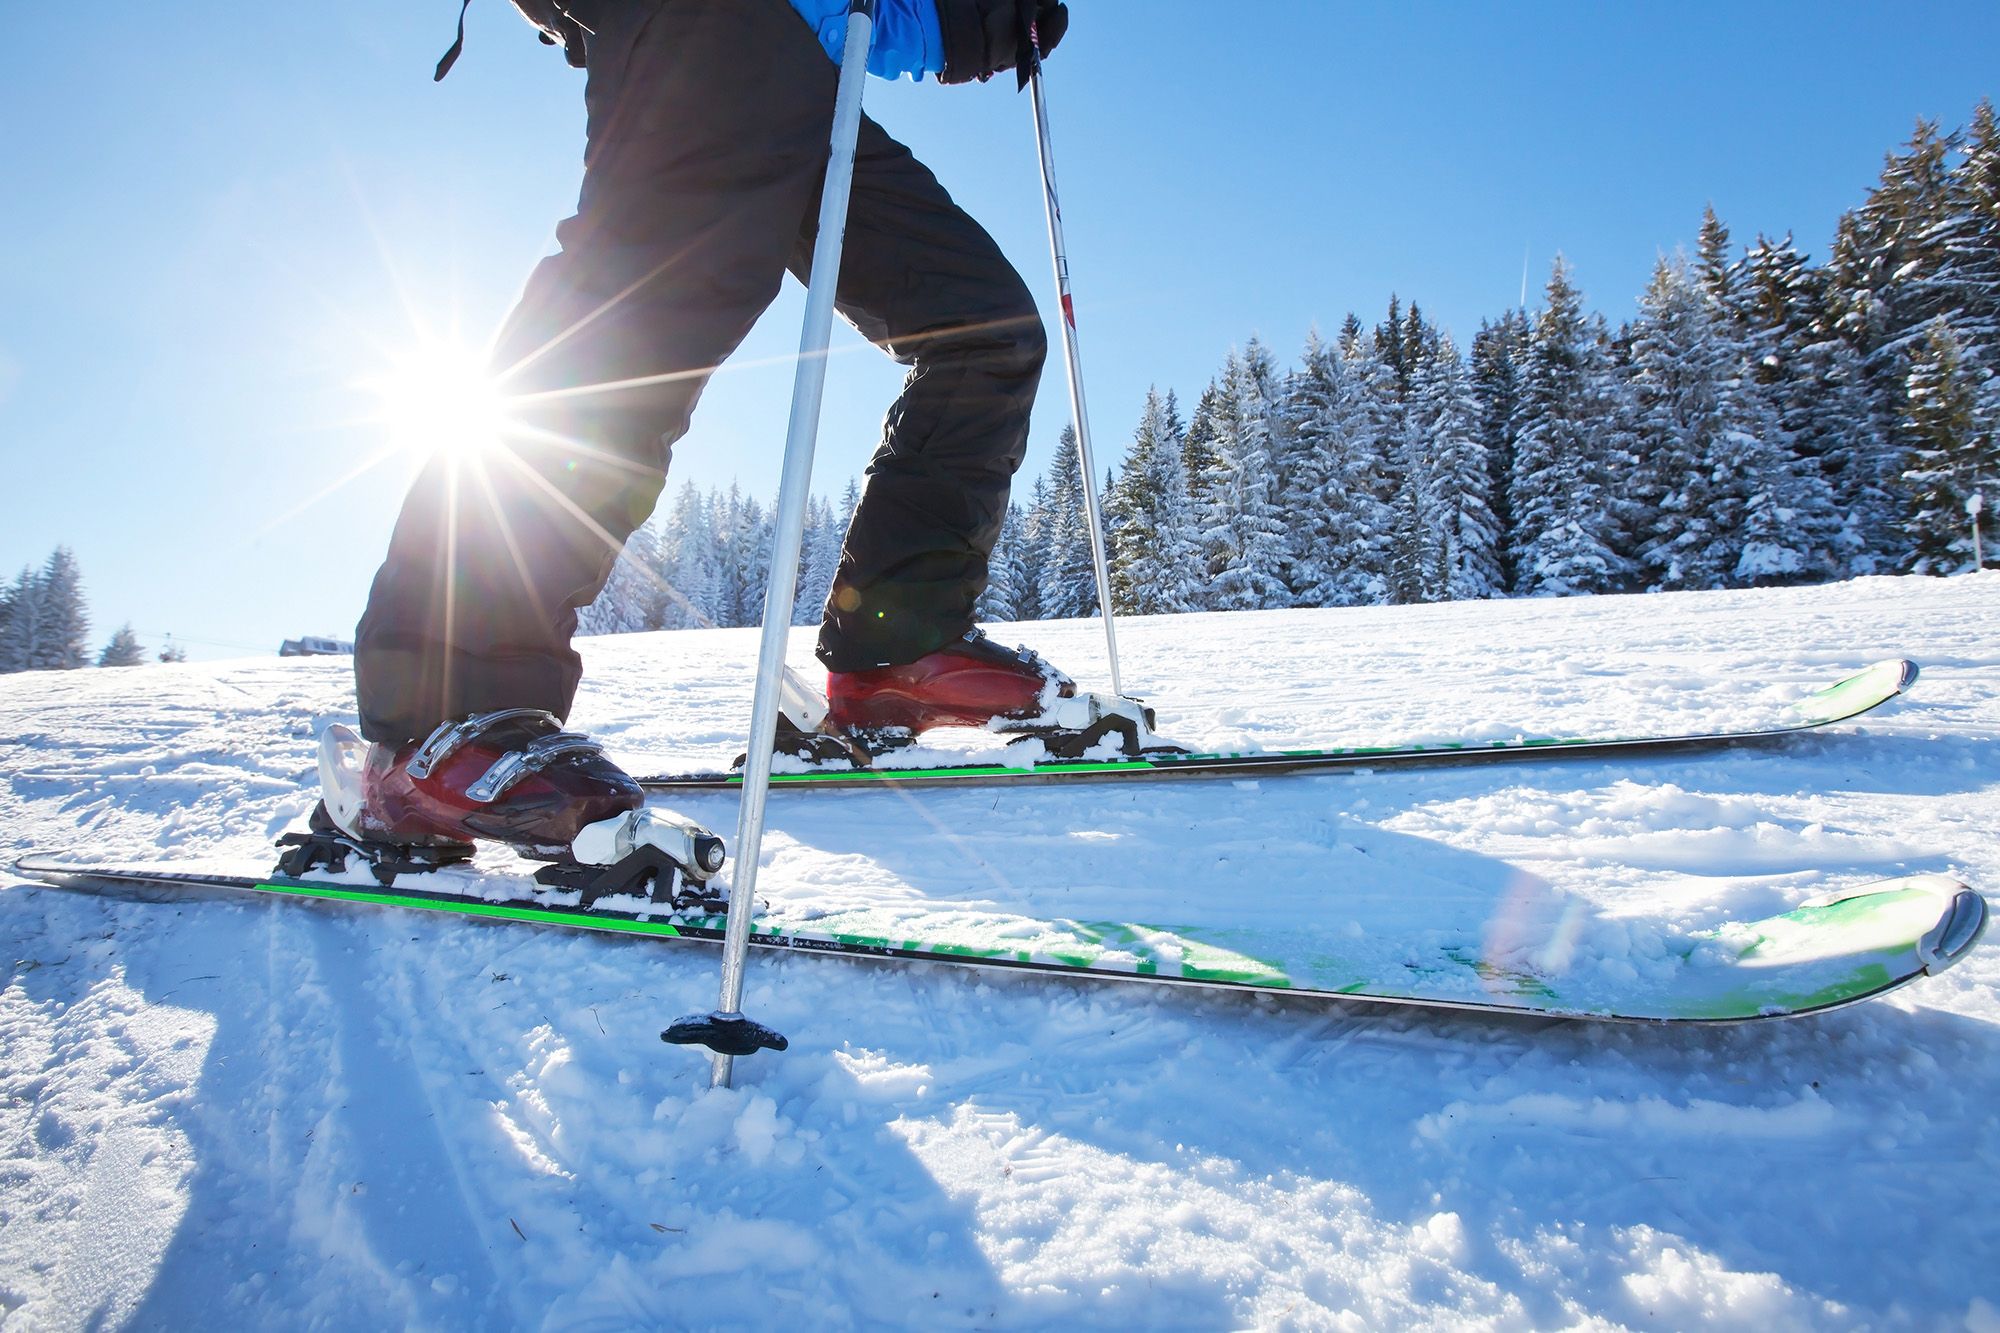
(1023, 654)
(510, 768)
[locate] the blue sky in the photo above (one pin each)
(216, 231)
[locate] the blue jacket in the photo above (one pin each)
(908, 37)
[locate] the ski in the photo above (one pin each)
(1831, 951)
(1839, 702)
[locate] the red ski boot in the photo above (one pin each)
(977, 683)
(515, 777)
(971, 683)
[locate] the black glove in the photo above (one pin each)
(984, 37)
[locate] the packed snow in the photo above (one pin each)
(257, 1112)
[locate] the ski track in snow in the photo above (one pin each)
(252, 1113)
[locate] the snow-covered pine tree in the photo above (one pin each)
(1128, 531)
(1560, 508)
(629, 602)
(1068, 578)
(1176, 574)
(1792, 524)
(1688, 507)
(819, 560)
(759, 533)
(1006, 572)
(1954, 453)
(1883, 291)
(1965, 283)
(1246, 541)
(123, 650)
(850, 500)
(688, 565)
(735, 521)
(1499, 357)
(1154, 569)
(21, 630)
(1417, 554)
(1342, 409)
(65, 623)
(1389, 342)
(1033, 552)
(1714, 269)
(1202, 467)
(1441, 400)
(45, 627)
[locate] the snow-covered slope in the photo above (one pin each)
(271, 1113)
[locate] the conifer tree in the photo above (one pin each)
(1068, 576)
(1954, 453)
(1883, 291)
(1417, 554)
(1006, 572)
(629, 602)
(46, 627)
(65, 624)
(1499, 354)
(1447, 414)
(1033, 553)
(1391, 347)
(819, 561)
(1689, 505)
(735, 539)
(1202, 467)
(757, 533)
(1342, 422)
(1560, 508)
(1964, 282)
(1245, 539)
(688, 563)
(1713, 266)
(123, 650)
(1154, 554)
(21, 630)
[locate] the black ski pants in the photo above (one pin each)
(707, 146)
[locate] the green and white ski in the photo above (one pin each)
(1839, 702)
(1825, 953)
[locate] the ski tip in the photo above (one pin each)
(1907, 672)
(1963, 922)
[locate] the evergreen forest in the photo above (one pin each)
(1761, 419)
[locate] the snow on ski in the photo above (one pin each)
(1831, 951)
(1841, 701)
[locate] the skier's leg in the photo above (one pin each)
(708, 122)
(923, 280)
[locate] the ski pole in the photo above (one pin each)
(1072, 359)
(727, 1032)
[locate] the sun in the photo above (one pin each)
(437, 398)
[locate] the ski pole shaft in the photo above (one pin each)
(1072, 361)
(808, 387)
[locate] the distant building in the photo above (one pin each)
(311, 647)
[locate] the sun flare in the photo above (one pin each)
(438, 398)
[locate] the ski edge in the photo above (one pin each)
(1962, 921)
(1893, 677)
